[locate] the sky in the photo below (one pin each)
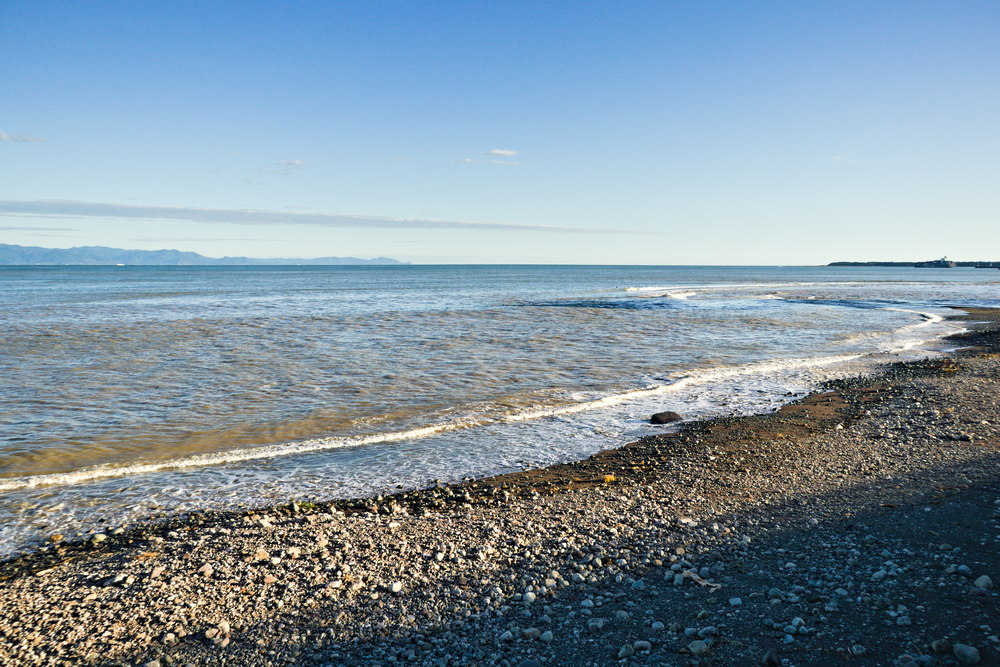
(505, 132)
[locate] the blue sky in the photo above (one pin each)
(583, 132)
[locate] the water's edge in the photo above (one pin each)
(170, 520)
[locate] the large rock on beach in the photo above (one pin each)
(665, 418)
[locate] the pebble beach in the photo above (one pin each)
(858, 525)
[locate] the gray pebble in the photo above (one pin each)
(966, 655)
(698, 647)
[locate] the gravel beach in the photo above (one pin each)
(860, 525)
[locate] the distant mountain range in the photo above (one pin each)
(101, 256)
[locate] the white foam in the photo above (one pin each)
(929, 318)
(222, 458)
(900, 342)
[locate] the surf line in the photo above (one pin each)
(321, 444)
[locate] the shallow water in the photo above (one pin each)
(133, 390)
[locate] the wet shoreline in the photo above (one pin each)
(487, 567)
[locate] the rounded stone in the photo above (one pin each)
(698, 647)
(665, 418)
(940, 645)
(965, 654)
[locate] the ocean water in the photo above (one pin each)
(129, 392)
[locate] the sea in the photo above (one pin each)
(130, 393)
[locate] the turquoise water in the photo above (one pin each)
(133, 390)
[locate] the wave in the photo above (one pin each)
(735, 286)
(609, 304)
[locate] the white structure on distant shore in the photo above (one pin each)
(943, 263)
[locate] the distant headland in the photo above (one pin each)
(943, 263)
(17, 255)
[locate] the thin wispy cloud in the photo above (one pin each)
(840, 159)
(283, 167)
(54, 208)
(472, 160)
(493, 157)
(185, 239)
(39, 229)
(6, 137)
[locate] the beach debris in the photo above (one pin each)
(693, 576)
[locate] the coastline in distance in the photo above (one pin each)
(16, 255)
